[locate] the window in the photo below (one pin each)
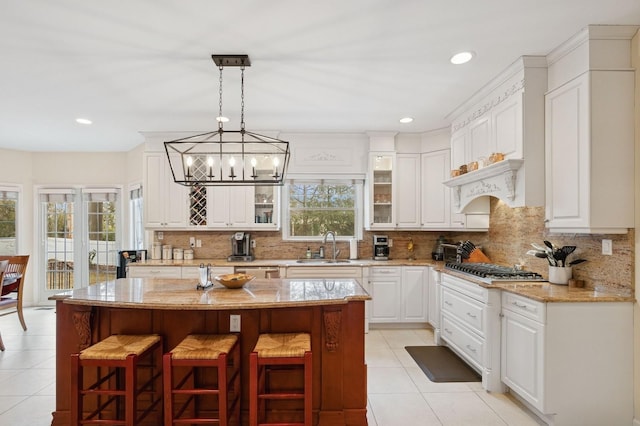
(315, 207)
(8, 220)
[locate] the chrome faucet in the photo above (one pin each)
(324, 241)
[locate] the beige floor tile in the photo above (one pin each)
(398, 339)
(389, 380)
(402, 409)
(509, 409)
(381, 357)
(462, 408)
(33, 411)
(8, 402)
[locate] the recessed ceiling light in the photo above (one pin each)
(85, 121)
(405, 120)
(222, 119)
(462, 58)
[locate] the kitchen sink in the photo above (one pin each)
(322, 261)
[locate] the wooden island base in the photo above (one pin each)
(337, 332)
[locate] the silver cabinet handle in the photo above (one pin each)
(471, 315)
(446, 302)
(448, 331)
(519, 305)
(471, 348)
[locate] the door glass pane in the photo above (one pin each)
(58, 210)
(101, 226)
(136, 226)
(8, 208)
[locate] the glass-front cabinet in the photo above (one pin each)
(381, 190)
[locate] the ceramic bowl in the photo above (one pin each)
(234, 280)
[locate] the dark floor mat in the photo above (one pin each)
(441, 364)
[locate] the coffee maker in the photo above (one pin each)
(240, 247)
(380, 247)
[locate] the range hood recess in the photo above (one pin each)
(499, 180)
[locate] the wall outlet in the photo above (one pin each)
(198, 243)
(234, 323)
(192, 242)
(607, 247)
(253, 243)
(160, 235)
(390, 242)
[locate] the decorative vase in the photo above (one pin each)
(560, 275)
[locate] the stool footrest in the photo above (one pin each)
(281, 395)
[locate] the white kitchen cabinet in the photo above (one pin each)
(434, 303)
(324, 272)
(479, 144)
(381, 190)
(470, 325)
(386, 293)
(242, 207)
(165, 202)
(507, 127)
(407, 207)
(550, 362)
(144, 271)
(415, 294)
(399, 294)
(193, 272)
(590, 154)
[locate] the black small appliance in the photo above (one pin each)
(128, 256)
(240, 247)
(380, 247)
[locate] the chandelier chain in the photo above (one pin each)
(220, 99)
(242, 98)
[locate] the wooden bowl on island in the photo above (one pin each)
(234, 280)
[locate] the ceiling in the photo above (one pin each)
(329, 66)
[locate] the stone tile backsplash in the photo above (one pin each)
(511, 232)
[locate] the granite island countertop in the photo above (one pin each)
(286, 263)
(164, 293)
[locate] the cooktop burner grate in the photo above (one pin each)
(493, 272)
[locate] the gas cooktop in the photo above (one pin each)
(489, 272)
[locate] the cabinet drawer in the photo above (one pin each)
(466, 310)
(377, 271)
(193, 272)
(154, 272)
(524, 306)
(463, 340)
(324, 272)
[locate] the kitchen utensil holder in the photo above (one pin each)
(560, 275)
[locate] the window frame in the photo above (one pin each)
(18, 218)
(358, 207)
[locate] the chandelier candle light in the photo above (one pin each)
(228, 158)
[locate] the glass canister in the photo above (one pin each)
(156, 251)
(167, 252)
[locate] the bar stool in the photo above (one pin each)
(128, 359)
(275, 352)
(199, 351)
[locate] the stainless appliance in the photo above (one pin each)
(128, 256)
(380, 247)
(240, 247)
(488, 272)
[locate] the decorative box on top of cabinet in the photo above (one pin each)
(165, 202)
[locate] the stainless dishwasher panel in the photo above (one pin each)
(259, 271)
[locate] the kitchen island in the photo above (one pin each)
(331, 310)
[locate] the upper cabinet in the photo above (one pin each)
(505, 117)
(165, 202)
(408, 179)
(382, 190)
(589, 136)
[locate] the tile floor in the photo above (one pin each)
(399, 393)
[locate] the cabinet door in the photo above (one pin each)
(154, 272)
(381, 190)
(459, 149)
(415, 293)
(522, 366)
(567, 153)
(386, 295)
(218, 200)
(436, 197)
(241, 206)
(165, 202)
(478, 145)
(408, 179)
(506, 123)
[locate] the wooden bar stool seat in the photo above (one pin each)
(133, 365)
(273, 353)
(197, 352)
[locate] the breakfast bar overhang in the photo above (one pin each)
(331, 310)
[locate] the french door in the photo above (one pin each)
(80, 237)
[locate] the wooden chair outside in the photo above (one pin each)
(12, 288)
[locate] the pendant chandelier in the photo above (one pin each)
(228, 158)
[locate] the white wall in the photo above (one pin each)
(635, 58)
